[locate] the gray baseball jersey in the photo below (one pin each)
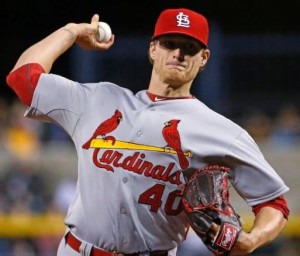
(131, 153)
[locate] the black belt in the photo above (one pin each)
(75, 244)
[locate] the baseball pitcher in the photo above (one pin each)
(134, 150)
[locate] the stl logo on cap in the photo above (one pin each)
(183, 20)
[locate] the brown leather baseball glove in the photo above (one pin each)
(205, 198)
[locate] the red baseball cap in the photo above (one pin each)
(182, 21)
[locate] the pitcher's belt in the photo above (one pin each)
(75, 244)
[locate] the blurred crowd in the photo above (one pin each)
(279, 132)
(25, 187)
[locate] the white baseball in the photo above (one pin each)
(104, 32)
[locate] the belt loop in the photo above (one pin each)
(85, 249)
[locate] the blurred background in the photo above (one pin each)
(252, 77)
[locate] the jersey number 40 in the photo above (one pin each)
(153, 197)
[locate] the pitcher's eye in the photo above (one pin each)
(168, 44)
(190, 49)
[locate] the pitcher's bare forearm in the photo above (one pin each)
(268, 224)
(46, 51)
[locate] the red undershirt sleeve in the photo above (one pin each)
(278, 203)
(23, 81)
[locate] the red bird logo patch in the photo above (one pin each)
(106, 127)
(172, 137)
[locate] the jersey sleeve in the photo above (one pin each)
(59, 100)
(253, 177)
(24, 80)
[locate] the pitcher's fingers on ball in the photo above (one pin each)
(104, 32)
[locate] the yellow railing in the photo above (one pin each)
(22, 225)
(27, 225)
